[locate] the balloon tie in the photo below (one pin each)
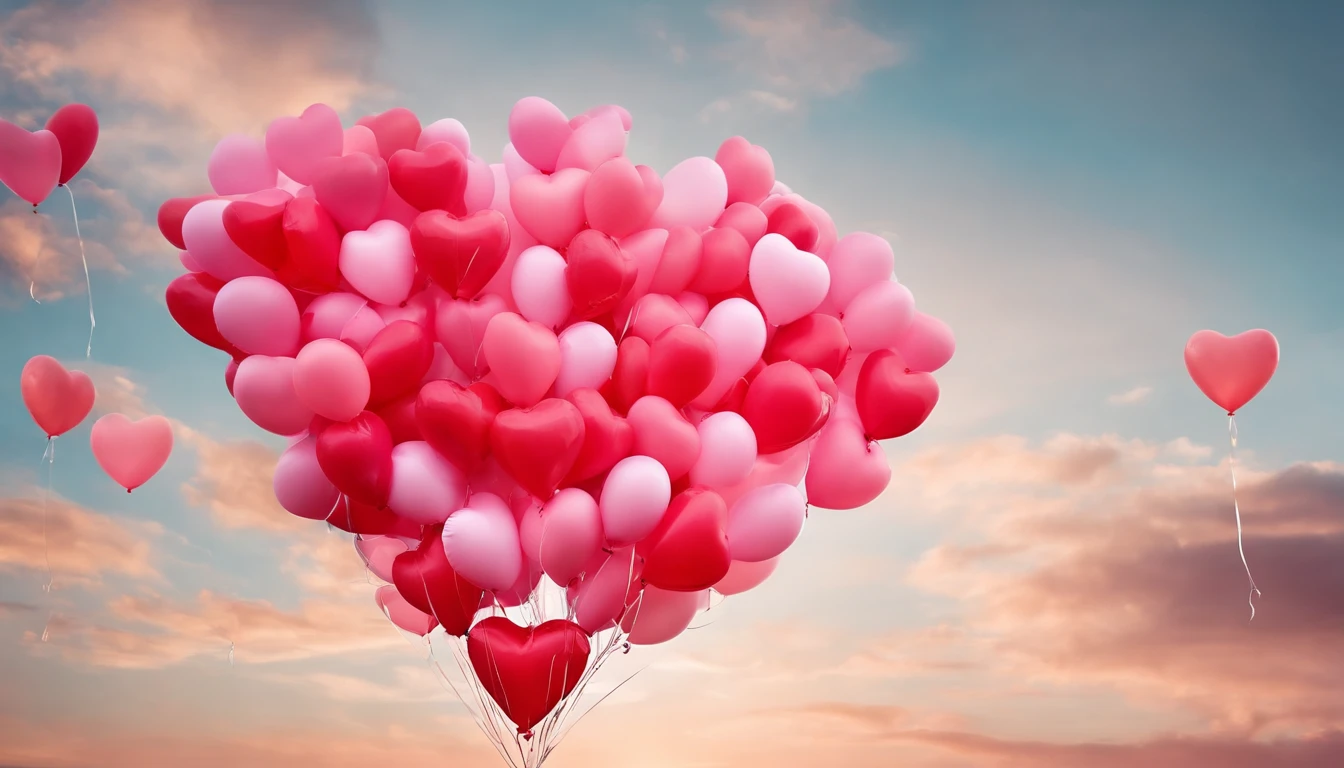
(1236, 508)
(88, 283)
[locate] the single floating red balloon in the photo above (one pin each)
(1231, 371)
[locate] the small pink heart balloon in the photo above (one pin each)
(30, 162)
(57, 399)
(539, 131)
(297, 145)
(1231, 371)
(131, 452)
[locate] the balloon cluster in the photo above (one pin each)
(561, 367)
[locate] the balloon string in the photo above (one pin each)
(88, 284)
(1236, 507)
(49, 458)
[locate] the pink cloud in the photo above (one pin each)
(80, 545)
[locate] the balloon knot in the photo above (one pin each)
(402, 305)
(1231, 413)
(907, 370)
(128, 490)
(609, 550)
(526, 734)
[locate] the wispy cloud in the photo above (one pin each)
(1131, 397)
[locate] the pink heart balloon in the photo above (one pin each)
(846, 471)
(359, 139)
(297, 145)
(879, 316)
(745, 576)
(748, 168)
(480, 190)
(858, 260)
(927, 343)
(621, 196)
(550, 208)
(264, 389)
(539, 131)
(239, 165)
(131, 452)
(460, 327)
(57, 399)
(378, 552)
(524, 358)
(401, 613)
(788, 283)
(209, 244)
(1231, 371)
(379, 262)
(449, 130)
(595, 142)
(352, 189)
(30, 162)
(695, 194)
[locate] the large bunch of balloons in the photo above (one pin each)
(560, 370)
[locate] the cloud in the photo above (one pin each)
(1131, 397)
(38, 253)
(75, 543)
(233, 480)
(803, 47)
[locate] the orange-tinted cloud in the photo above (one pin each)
(79, 544)
(233, 480)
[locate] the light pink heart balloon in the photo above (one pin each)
(378, 553)
(515, 167)
(131, 452)
(264, 389)
(297, 145)
(447, 129)
(788, 283)
(620, 112)
(460, 327)
(57, 399)
(480, 192)
(550, 208)
(359, 139)
(539, 131)
(927, 344)
(595, 142)
(30, 162)
(587, 358)
(858, 260)
(745, 576)
(379, 262)
(258, 316)
(239, 165)
(695, 194)
(1231, 370)
(748, 168)
(879, 316)
(300, 485)
(524, 358)
(209, 244)
(401, 613)
(846, 471)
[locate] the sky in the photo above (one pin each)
(1052, 577)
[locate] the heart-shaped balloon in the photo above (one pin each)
(426, 488)
(1231, 371)
(724, 262)
(679, 262)
(131, 452)
(393, 130)
(814, 341)
(367, 520)
(427, 581)
(634, 497)
(524, 358)
(788, 283)
(893, 400)
(599, 274)
(379, 553)
(746, 219)
(538, 131)
(191, 302)
(859, 260)
(538, 287)
(654, 314)
(257, 227)
(682, 362)
(538, 446)
(630, 379)
(594, 142)
(401, 613)
(460, 255)
(171, 215)
(784, 406)
(57, 399)
(397, 359)
(527, 671)
(456, 420)
(481, 541)
(790, 221)
(379, 262)
(431, 179)
(312, 247)
(846, 470)
(550, 208)
(446, 130)
(607, 438)
(748, 169)
(351, 188)
(76, 129)
(695, 193)
(587, 358)
(927, 343)
(460, 326)
(204, 235)
(264, 389)
(357, 457)
(689, 549)
(621, 196)
(298, 145)
(662, 432)
(239, 165)
(879, 316)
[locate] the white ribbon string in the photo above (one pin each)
(1232, 464)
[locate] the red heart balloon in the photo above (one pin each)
(433, 179)
(793, 223)
(397, 358)
(191, 302)
(538, 446)
(607, 438)
(688, 551)
(171, 214)
(427, 581)
(723, 264)
(784, 406)
(682, 362)
(656, 313)
(76, 129)
(631, 375)
(599, 274)
(461, 255)
(399, 416)
(892, 401)
(313, 247)
(456, 420)
(367, 520)
(733, 399)
(395, 130)
(679, 261)
(257, 228)
(356, 456)
(351, 188)
(527, 670)
(1231, 370)
(815, 341)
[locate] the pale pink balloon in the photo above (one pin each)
(331, 380)
(587, 358)
(745, 576)
(530, 527)
(539, 131)
(765, 522)
(378, 554)
(927, 343)
(326, 316)
(550, 207)
(695, 194)
(362, 327)
(634, 497)
(659, 615)
(189, 262)
(738, 331)
(30, 162)
(447, 129)
(615, 109)
(460, 327)
(727, 451)
(539, 287)
(359, 139)
(131, 452)
(264, 389)
(593, 143)
(239, 165)
(599, 598)
(480, 191)
(847, 471)
(695, 304)
(848, 379)
(879, 316)
(300, 485)
(401, 613)
(426, 487)
(297, 145)
(519, 239)
(203, 234)
(786, 467)
(515, 167)
(571, 534)
(378, 262)
(858, 260)
(258, 316)
(290, 186)
(442, 368)
(788, 283)
(481, 541)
